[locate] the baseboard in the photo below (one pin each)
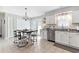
(67, 45)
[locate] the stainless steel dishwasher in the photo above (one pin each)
(50, 34)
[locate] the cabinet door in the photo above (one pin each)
(45, 34)
(62, 37)
(58, 36)
(75, 16)
(74, 39)
(50, 19)
(65, 38)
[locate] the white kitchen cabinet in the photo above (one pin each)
(75, 16)
(58, 37)
(62, 37)
(74, 40)
(67, 38)
(50, 19)
(43, 34)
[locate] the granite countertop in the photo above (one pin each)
(61, 29)
(68, 30)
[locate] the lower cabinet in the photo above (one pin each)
(43, 34)
(74, 40)
(58, 37)
(62, 37)
(67, 38)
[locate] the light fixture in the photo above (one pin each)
(26, 16)
(44, 20)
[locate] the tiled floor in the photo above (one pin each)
(41, 46)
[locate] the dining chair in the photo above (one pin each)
(34, 36)
(21, 40)
(15, 33)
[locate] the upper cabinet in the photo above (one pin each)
(50, 19)
(75, 16)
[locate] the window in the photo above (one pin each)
(22, 24)
(64, 20)
(34, 24)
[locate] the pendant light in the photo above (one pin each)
(26, 16)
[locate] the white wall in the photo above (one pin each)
(20, 10)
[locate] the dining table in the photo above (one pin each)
(27, 32)
(22, 42)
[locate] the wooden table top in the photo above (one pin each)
(26, 31)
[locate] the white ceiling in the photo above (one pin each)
(32, 10)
